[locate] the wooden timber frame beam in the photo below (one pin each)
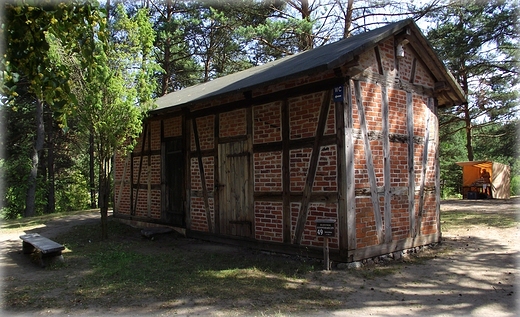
(370, 165)
(424, 169)
(202, 175)
(143, 141)
(386, 164)
(122, 183)
(186, 141)
(286, 173)
(346, 174)
(437, 170)
(410, 162)
(149, 175)
(311, 174)
(216, 171)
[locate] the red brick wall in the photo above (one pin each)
(304, 113)
(326, 173)
(400, 217)
(196, 181)
(198, 213)
(429, 225)
(205, 127)
(268, 221)
(422, 77)
(366, 234)
(299, 164)
(122, 183)
(233, 123)
(268, 172)
(316, 211)
(397, 111)
(172, 127)
(267, 125)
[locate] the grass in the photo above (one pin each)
(127, 270)
(40, 220)
(464, 218)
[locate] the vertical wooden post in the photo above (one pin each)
(437, 171)
(132, 209)
(149, 175)
(326, 252)
(216, 171)
(162, 161)
(341, 159)
(423, 173)
(249, 199)
(350, 176)
(286, 177)
(345, 179)
(186, 145)
(411, 166)
(386, 164)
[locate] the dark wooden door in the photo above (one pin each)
(236, 189)
(173, 185)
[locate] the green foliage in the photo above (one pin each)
(28, 57)
(515, 185)
(13, 202)
(277, 38)
(34, 77)
(173, 24)
(16, 164)
(72, 191)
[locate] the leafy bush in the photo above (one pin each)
(515, 185)
(72, 192)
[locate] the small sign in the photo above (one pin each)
(338, 93)
(325, 227)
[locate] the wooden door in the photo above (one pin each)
(236, 189)
(173, 183)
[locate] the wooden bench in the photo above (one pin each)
(45, 248)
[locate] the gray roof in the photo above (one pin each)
(313, 61)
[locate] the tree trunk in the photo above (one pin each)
(30, 198)
(104, 193)
(305, 42)
(467, 122)
(92, 183)
(348, 19)
(166, 77)
(51, 194)
(467, 115)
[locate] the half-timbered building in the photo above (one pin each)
(346, 132)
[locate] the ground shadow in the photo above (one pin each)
(465, 275)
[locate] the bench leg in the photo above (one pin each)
(27, 247)
(51, 258)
